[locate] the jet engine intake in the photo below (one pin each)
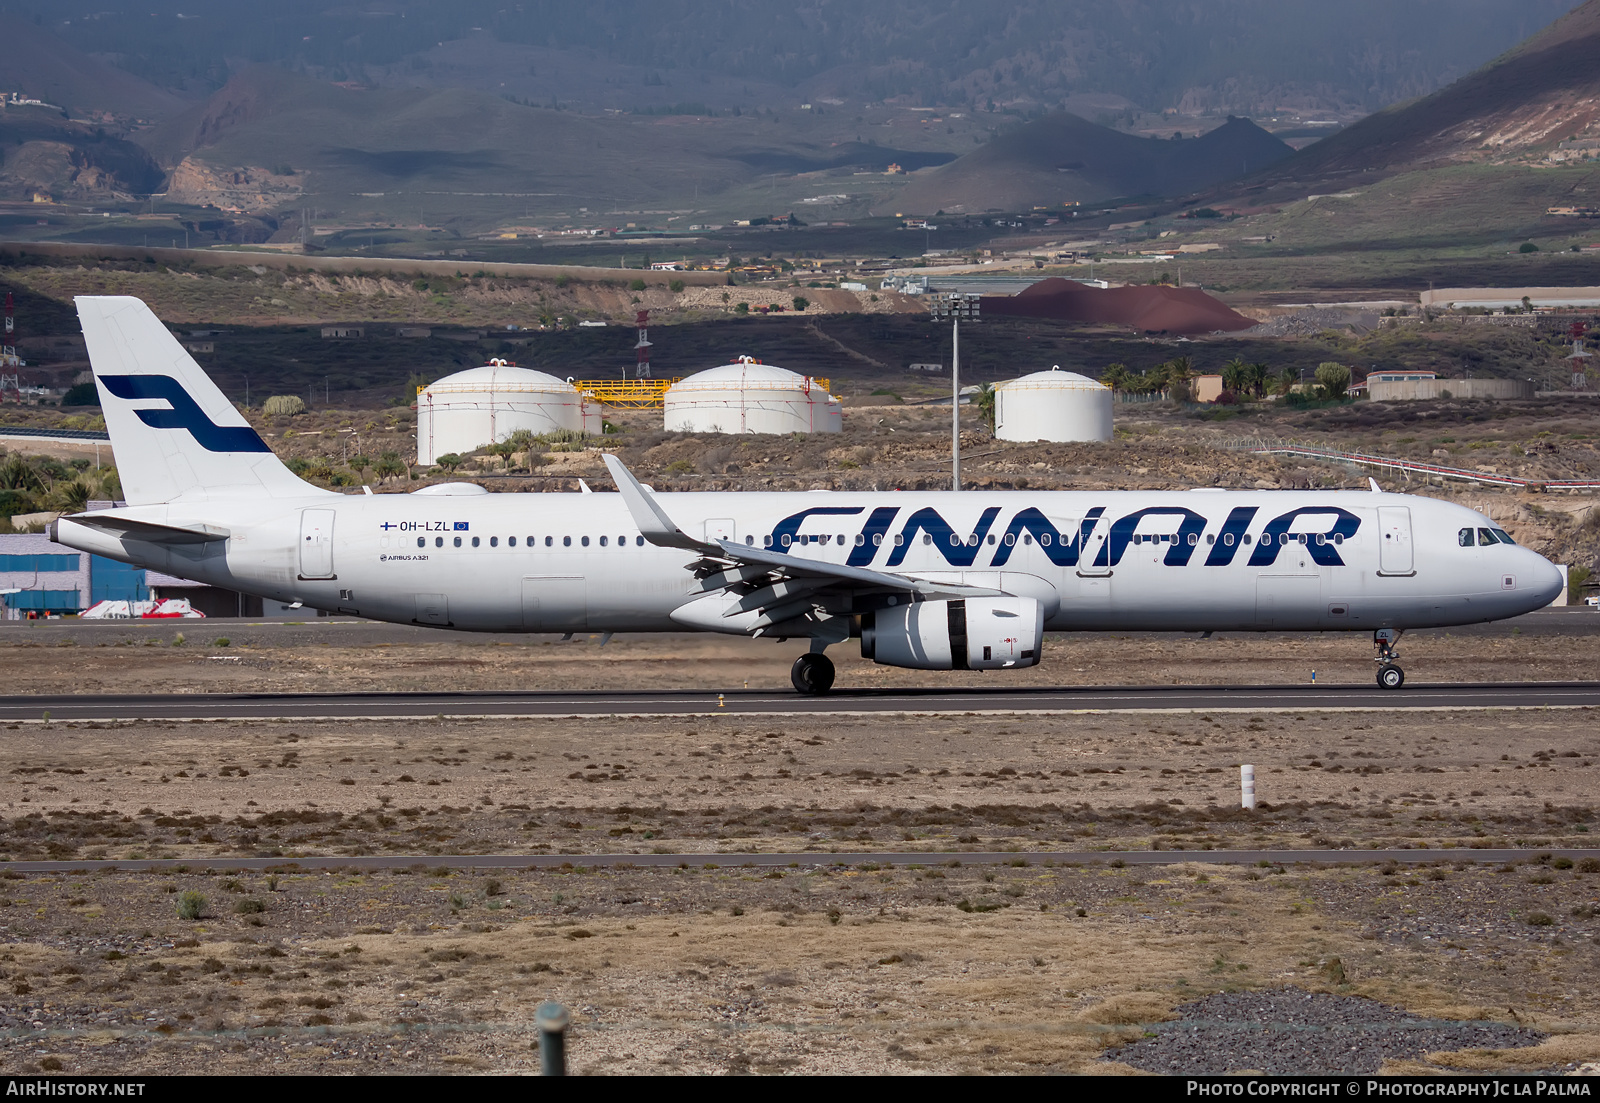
(980, 633)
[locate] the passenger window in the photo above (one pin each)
(438, 541)
(1211, 538)
(899, 539)
(1322, 538)
(458, 541)
(1486, 538)
(1027, 539)
(1246, 538)
(926, 538)
(474, 541)
(1194, 538)
(494, 541)
(422, 541)
(877, 540)
(1227, 539)
(549, 540)
(602, 541)
(1044, 539)
(566, 541)
(786, 540)
(841, 538)
(749, 540)
(585, 541)
(639, 540)
(766, 541)
(861, 541)
(511, 541)
(1464, 538)
(1338, 538)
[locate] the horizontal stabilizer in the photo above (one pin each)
(149, 531)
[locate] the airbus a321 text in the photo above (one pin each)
(934, 581)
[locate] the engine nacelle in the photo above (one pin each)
(975, 633)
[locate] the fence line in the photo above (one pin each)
(1270, 447)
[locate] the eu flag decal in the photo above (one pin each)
(461, 526)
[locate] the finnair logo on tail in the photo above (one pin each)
(185, 413)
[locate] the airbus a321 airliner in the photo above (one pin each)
(934, 581)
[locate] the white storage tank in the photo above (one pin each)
(748, 396)
(1052, 405)
(486, 405)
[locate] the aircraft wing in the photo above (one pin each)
(761, 591)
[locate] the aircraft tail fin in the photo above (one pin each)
(173, 432)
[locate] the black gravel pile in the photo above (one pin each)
(1289, 1030)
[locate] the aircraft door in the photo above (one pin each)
(432, 609)
(1094, 560)
(1394, 531)
(316, 543)
(720, 528)
(552, 603)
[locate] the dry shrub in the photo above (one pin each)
(1552, 1053)
(1129, 1009)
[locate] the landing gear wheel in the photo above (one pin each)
(812, 674)
(1391, 676)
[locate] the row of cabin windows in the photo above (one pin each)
(1486, 537)
(899, 539)
(531, 541)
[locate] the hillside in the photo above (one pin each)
(43, 66)
(1243, 56)
(450, 155)
(1064, 158)
(1518, 107)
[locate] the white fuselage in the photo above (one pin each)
(1130, 560)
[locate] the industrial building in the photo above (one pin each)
(1052, 405)
(748, 396)
(482, 406)
(39, 577)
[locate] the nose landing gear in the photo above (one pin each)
(1390, 676)
(812, 674)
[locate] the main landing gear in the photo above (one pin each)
(812, 674)
(1390, 676)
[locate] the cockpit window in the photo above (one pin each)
(1485, 538)
(1464, 538)
(1505, 537)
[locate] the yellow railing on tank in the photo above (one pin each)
(626, 394)
(644, 394)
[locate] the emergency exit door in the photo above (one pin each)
(1394, 536)
(316, 543)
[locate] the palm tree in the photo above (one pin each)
(1115, 376)
(1180, 369)
(1236, 375)
(1260, 372)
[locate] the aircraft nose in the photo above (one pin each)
(1547, 580)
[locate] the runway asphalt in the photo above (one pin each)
(1013, 699)
(812, 858)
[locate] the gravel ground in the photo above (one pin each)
(1289, 1031)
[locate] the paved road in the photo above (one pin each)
(300, 706)
(812, 858)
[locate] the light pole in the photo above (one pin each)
(955, 306)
